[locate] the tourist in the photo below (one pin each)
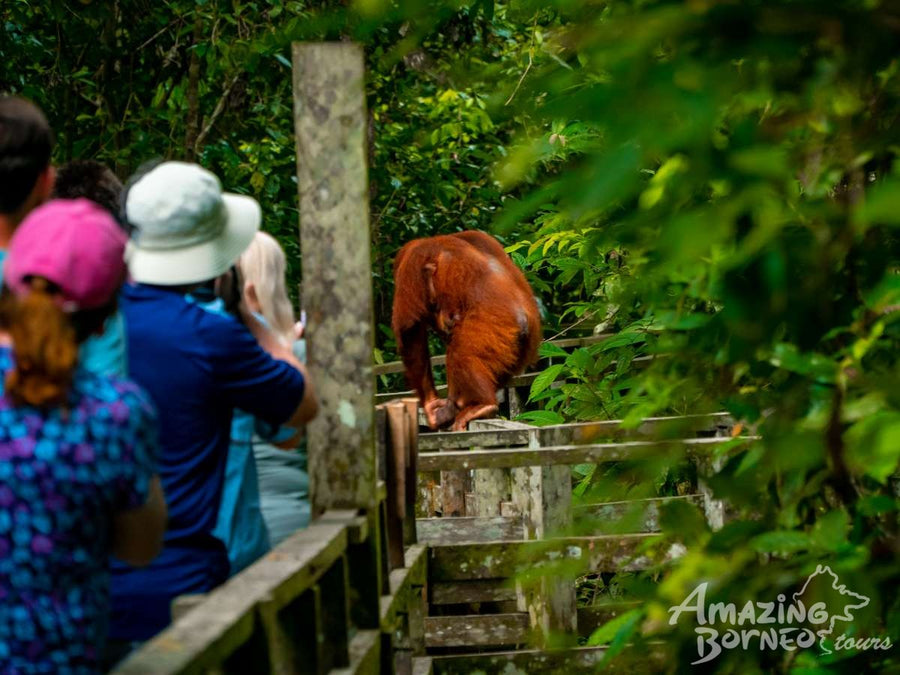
(26, 175)
(77, 449)
(283, 481)
(198, 366)
(103, 353)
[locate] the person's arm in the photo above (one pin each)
(138, 533)
(278, 349)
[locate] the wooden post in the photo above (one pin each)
(543, 495)
(330, 126)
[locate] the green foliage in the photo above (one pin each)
(712, 183)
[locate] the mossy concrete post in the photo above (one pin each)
(543, 495)
(330, 127)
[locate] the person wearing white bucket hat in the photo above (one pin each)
(197, 366)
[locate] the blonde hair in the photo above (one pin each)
(264, 264)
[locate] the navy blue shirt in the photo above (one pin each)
(197, 367)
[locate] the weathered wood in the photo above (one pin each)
(357, 525)
(381, 441)
(396, 455)
(334, 587)
(185, 603)
(465, 592)
(422, 666)
(403, 582)
(366, 574)
(556, 662)
(412, 471)
(566, 454)
(226, 620)
(453, 493)
(495, 424)
(626, 517)
(428, 494)
(543, 495)
(441, 360)
(469, 529)
(503, 560)
(470, 502)
(295, 637)
(476, 630)
(503, 433)
(365, 654)
(330, 124)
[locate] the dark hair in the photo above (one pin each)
(26, 142)
(90, 179)
(45, 343)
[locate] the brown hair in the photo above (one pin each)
(45, 344)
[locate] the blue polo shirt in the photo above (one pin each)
(197, 367)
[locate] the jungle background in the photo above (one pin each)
(714, 182)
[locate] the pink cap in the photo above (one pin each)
(73, 243)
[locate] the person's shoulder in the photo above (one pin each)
(115, 392)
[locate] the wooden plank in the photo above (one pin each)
(469, 529)
(334, 586)
(396, 480)
(441, 360)
(556, 662)
(365, 654)
(185, 603)
(626, 517)
(470, 502)
(403, 581)
(218, 627)
(475, 630)
(412, 472)
(598, 453)
(422, 666)
(498, 423)
(330, 125)
(524, 381)
(455, 440)
(543, 495)
(502, 433)
(465, 592)
(503, 560)
(357, 525)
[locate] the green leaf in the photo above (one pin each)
(881, 205)
(816, 366)
(541, 418)
(830, 531)
(548, 350)
(546, 378)
(781, 541)
(618, 629)
(873, 445)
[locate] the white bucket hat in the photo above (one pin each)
(186, 229)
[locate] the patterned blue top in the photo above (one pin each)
(64, 474)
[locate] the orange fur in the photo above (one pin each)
(464, 287)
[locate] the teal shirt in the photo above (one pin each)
(105, 354)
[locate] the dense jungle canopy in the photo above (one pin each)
(710, 180)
